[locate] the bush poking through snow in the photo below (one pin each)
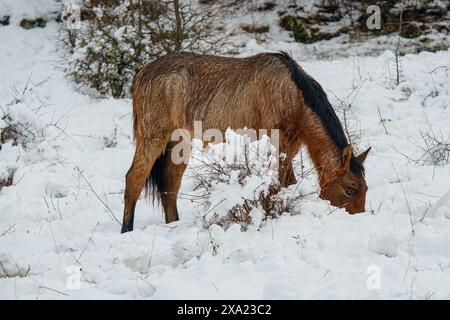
(417, 19)
(33, 23)
(19, 120)
(6, 178)
(237, 182)
(270, 201)
(9, 133)
(348, 114)
(18, 130)
(120, 37)
(436, 149)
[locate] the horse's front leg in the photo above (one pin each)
(288, 149)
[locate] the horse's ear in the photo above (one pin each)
(345, 159)
(362, 157)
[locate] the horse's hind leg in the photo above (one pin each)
(170, 184)
(143, 161)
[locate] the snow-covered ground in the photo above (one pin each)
(55, 217)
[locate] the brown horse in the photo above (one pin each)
(265, 91)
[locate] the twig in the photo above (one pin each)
(15, 288)
(406, 200)
(215, 206)
(54, 290)
(425, 213)
(104, 204)
(87, 244)
(51, 230)
(97, 196)
(382, 121)
(397, 49)
(151, 253)
(7, 230)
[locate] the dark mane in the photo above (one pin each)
(316, 99)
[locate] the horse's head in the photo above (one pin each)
(344, 188)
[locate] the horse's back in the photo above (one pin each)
(195, 65)
(220, 91)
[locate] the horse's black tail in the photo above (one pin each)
(154, 182)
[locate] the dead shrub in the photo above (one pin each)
(270, 201)
(250, 181)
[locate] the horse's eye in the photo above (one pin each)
(349, 193)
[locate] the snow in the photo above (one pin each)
(52, 221)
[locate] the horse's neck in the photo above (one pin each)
(323, 151)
